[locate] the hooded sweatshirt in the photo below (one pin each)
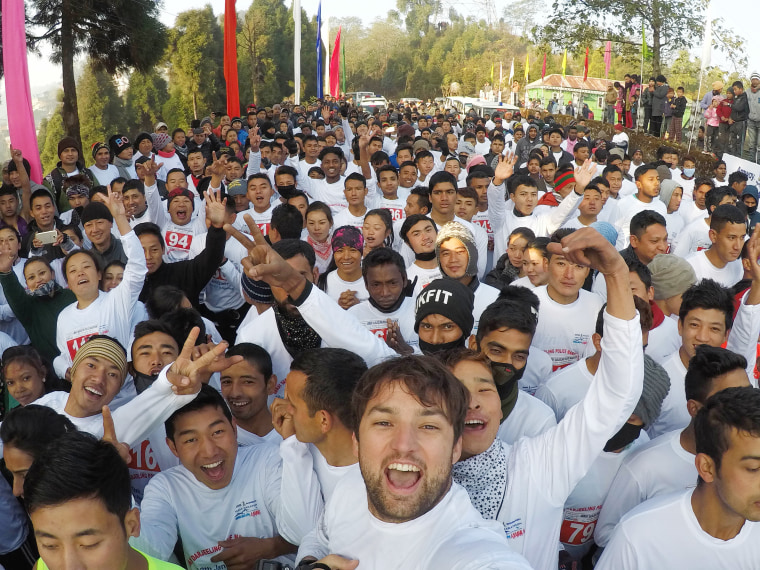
(753, 216)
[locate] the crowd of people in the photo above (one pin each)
(314, 337)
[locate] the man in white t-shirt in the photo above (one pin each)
(645, 198)
(419, 233)
(695, 236)
(721, 262)
(103, 172)
(566, 314)
(246, 386)
(259, 192)
(666, 464)
(355, 192)
(227, 504)
(715, 524)
(524, 486)
(316, 412)
(409, 416)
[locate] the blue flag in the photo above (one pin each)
(320, 85)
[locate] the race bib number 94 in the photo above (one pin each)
(178, 240)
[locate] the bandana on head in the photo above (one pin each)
(77, 190)
(347, 236)
(177, 192)
(102, 347)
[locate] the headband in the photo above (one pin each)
(104, 347)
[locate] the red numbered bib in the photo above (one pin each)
(142, 458)
(381, 333)
(396, 213)
(76, 343)
(178, 240)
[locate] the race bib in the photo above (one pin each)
(141, 458)
(578, 525)
(179, 240)
(263, 228)
(76, 343)
(382, 334)
(396, 213)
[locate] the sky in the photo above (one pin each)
(742, 17)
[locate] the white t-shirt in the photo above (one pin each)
(265, 497)
(304, 167)
(481, 219)
(523, 282)
(663, 340)
(484, 296)
(451, 535)
(104, 177)
(537, 371)
(689, 211)
(584, 504)
(246, 438)
(336, 286)
(674, 224)
(693, 237)
(261, 219)
(529, 418)
(665, 533)
(330, 194)
(727, 276)
(659, 467)
(424, 277)
(395, 207)
(629, 207)
(376, 321)
(328, 475)
(346, 218)
(565, 388)
(110, 314)
(564, 331)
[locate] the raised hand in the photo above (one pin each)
(505, 167)
(109, 435)
(583, 175)
(186, 375)
(588, 247)
(282, 420)
(265, 264)
(215, 208)
(17, 156)
(255, 138)
(219, 166)
(115, 203)
(395, 340)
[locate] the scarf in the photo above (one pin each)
(49, 289)
(167, 154)
(122, 164)
(181, 149)
(295, 332)
(323, 249)
(484, 476)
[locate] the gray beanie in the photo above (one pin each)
(667, 187)
(656, 387)
(671, 275)
(663, 171)
(456, 230)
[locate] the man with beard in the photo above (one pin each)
(525, 486)
(402, 509)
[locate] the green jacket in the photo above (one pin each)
(38, 315)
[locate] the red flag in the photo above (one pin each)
(335, 68)
(230, 59)
(585, 67)
(543, 69)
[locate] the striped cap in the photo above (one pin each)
(102, 346)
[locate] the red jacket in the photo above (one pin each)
(724, 110)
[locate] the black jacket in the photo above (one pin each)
(740, 108)
(191, 275)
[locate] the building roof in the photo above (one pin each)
(573, 82)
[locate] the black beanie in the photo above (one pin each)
(68, 142)
(447, 297)
(95, 211)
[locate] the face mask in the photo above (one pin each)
(287, 191)
(689, 172)
(266, 163)
(46, 289)
(143, 381)
(428, 256)
(627, 435)
(506, 378)
(752, 209)
(429, 349)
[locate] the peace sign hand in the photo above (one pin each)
(186, 374)
(109, 435)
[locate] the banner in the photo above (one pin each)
(564, 63)
(527, 67)
(335, 67)
(752, 170)
(18, 95)
(320, 83)
(607, 58)
(230, 59)
(644, 49)
(343, 67)
(297, 51)
(585, 67)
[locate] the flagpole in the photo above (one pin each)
(320, 81)
(297, 52)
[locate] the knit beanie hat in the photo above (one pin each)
(102, 346)
(667, 187)
(67, 142)
(258, 291)
(663, 171)
(671, 275)
(563, 180)
(118, 144)
(458, 231)
(405, 130)
(160, 140)
(177, 192)
(141, 137)
(420, 144)
(347, 236)
(755, 75)
(656, 387)
(607, 230)
(96, 147)
(95, 211)
(466, 148)
(447, 297)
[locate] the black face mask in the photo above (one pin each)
(265, 162)
(428, 256)
(506, 377)
(288, 191)
(752, 209)
(429, 349)
(143, 381)
(627, 435)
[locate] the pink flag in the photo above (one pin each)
(17, 92)
(335, 68)
(607, 58)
